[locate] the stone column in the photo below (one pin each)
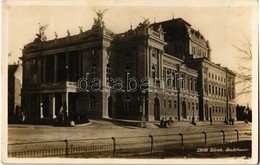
(147, 61)
(41, 107)
(161, 70)
(53, 115)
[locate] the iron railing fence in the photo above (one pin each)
(123, 146)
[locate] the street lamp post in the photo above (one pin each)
(193, 118)
(210, 116)
(227, 105)
(142, 99)
(178, 90)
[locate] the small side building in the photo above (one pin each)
(14, 88)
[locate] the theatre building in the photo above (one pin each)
(155, 70)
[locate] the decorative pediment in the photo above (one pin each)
(185, 67)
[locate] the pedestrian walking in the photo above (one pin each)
(162, 122)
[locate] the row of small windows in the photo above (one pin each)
(127, 103)
(214, 90)
(191, 105)
(216, 77)
(94, 71)
(221, 109)
(199, 52)
(171, 80)
(218, 91)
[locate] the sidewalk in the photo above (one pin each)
(133, 124)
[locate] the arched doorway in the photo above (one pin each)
(156, 109)
(110, 107)
(184, 110)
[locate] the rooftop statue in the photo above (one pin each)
(80, 29)
(100, 14)
(41, 35)
(145, 23)
(98, 22)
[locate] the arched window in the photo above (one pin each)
(93, 71)
(92, 103)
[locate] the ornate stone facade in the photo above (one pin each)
(144, 71)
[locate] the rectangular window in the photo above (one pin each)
(175, 103)
(209, 88)
(195, 85)
(191, 84)
(108, 73)
(169, 77)
(173, 80)
(193, 50)
(199, 52)
(170, 103)
(205, 86)
(164, 74)
(182, 81)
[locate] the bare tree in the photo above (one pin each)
(244, 74)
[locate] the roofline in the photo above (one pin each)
(212, 63)
(172, 20)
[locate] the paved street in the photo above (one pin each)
(104, 129)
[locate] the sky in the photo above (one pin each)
(223, 24)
